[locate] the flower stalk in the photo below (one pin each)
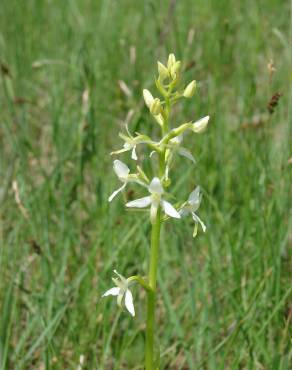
(151, 295)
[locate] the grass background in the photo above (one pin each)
(225, 297)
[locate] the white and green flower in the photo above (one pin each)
(191, 206)
(154, 200)
(131, 143)
(122, 292)
(174, 146)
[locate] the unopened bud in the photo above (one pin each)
(200, 125)
(159, 119)
(155, 107)
(190, 89)
(148, 97)
(174, 70)
(171, 61)
(162, 70)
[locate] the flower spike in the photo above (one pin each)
(170, 87)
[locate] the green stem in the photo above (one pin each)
(150, 361)
(165, 127)
(151, 295)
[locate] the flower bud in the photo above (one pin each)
(147, 97)
(190, 89)
(171, 61)
(159, 119)
(155, 107)
(174, 70)
(200, 125)
(163, 71)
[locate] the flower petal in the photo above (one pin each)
(185, 153)
(139, 203)
(122, 278)
(195, 199)
(134, 154)
(151, 154)
(195, 195)
(169, 209)
(113, 291)
(120, 151)
(155, 186)
(116, 192)
(121, 169)
(129, 302)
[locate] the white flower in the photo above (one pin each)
(131, 143)
(175, 146)
(155, 200)
(131, 146)
(191, 206)
(122, 171)
(123, 293)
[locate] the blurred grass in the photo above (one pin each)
(225, 297)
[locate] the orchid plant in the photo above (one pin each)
(169, 86)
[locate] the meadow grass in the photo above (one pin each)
(225, 297)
